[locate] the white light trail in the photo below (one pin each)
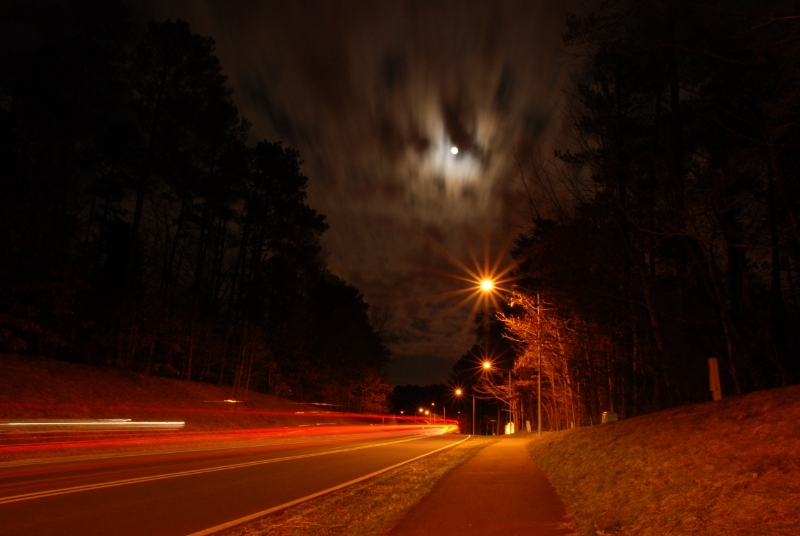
(100, 423)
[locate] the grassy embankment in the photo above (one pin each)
(720, 468)
(37, 388)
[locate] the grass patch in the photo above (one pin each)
(720, 468)
(371, 507)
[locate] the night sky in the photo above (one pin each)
(374, 95)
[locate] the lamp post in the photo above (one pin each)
(509, 397)
(487, 286)
(459, 392)
(539, 373)
(487, 366)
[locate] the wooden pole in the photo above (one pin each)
(713, 379)
(539, 375)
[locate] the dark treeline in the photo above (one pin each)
(679, 240)
(409, 399)
(140, 230)
(493, 397)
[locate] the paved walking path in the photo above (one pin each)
(500, 491)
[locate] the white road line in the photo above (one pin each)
(268, 511)
(102, 485)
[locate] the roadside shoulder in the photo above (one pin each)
(369, 507)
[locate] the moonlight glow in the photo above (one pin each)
(423, 79)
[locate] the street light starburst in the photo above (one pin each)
(488, 282)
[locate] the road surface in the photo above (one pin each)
(187, 492)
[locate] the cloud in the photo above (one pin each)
(419, 369)
(374, 95)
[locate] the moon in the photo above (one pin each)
(454, 150)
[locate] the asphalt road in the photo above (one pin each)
(183, 493)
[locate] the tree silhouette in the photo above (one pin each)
(142, 231)
(680, 242)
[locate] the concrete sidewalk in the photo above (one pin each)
(500, 490)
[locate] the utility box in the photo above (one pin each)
(610, 416)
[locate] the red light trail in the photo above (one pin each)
(53, 436)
